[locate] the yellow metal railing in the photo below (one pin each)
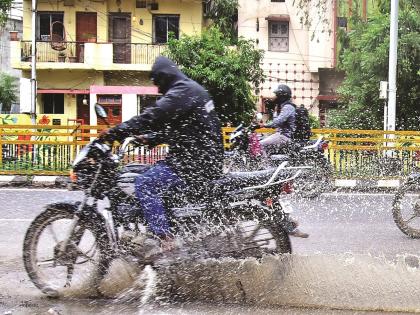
(365, 153)
(47, 149)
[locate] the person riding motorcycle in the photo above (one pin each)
(184, 119)
(284, 118)
(284, 121)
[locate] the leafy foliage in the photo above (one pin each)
(365, 61)
(8, 90)
(314, 122)
(314, 14)
(224, 15)
(5, 6)
(227, 72)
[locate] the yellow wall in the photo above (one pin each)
(191, 21)
(65, 79)
(190, 12)
(128, 78)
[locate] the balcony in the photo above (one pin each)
(89, 56)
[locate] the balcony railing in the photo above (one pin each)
(145, 53)
(72, 52)
(99, 53)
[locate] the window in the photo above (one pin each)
(45, 20)
(53, 104)
(278, 36)
(163, 25)
(144, 101)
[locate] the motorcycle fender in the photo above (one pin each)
(66, 206)
(87, 214)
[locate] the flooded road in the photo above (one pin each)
(355, 259)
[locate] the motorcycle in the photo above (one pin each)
(242, 214)
(406, 206)
(246, 153)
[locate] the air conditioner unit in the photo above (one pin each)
(154, 6)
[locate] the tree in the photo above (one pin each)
(5, 6)
(229, 73)
(8, 90)
(224, 15)
(365, 62)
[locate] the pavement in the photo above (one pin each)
(34, 181)
(64, 181)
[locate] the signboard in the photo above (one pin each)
(383, 90)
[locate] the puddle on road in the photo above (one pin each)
(345, 281)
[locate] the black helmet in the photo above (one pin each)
(283, 91)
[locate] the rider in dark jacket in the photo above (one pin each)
(184, 119)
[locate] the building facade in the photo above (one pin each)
(302, 55)
(98, 52)
(294, 53)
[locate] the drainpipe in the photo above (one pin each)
(33, 64)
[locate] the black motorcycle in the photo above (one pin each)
(242, 214)
(406, 206)
(244, 154)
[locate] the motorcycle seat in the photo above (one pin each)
(137, 168)
(236, 180)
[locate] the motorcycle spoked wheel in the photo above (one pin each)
(313, 182)
(87, 256)
(406, 209)
(244, 240)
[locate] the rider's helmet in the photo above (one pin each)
(283, 92)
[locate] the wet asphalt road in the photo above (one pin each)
(337, 223)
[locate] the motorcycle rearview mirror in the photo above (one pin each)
(100, 111)
(259, 116)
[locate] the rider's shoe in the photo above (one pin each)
(298, 233)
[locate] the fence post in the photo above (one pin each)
(74, 150)
(1, 146)
(331, 153)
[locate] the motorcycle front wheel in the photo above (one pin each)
(406, 209)
(53, 270)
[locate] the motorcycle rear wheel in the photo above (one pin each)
(90, 253)
(406, 209)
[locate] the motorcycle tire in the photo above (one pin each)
(402, 197)
(51, 214)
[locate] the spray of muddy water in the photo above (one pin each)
(345, 281)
